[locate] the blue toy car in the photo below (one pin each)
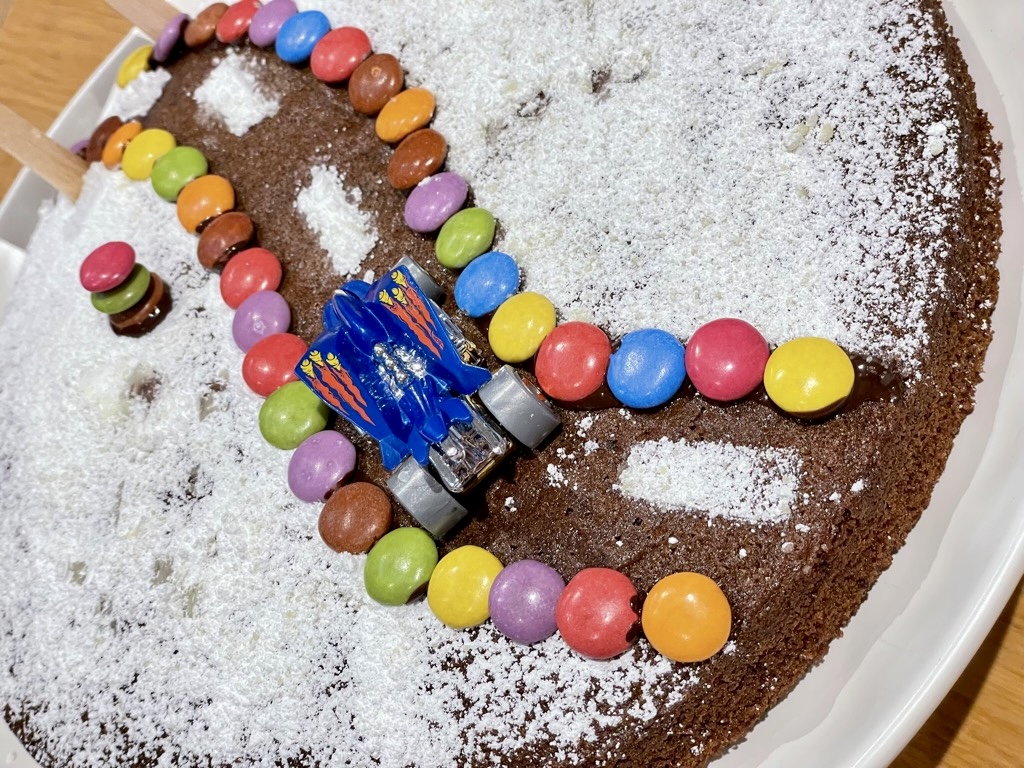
(399, 369)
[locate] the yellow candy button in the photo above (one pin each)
(404, 113)
(809, 377)
(686, 617)
(519, 326)
(144, 150)
(136, 63)
(460, 585)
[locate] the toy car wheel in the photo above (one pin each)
(425, 498)
(519, 407)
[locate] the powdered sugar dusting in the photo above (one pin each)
(231, 93)
(332, 211)
(740, 483)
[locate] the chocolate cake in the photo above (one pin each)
(814, 168)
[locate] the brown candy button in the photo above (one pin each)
(145, 314)
(223, 237)
(203, 27)
(354, 517)
(374, 82)
(420, 154)
(100, 137)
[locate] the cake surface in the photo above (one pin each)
(194, 548)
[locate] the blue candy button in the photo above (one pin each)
(647, 369)
(300, 34)
(486, 282)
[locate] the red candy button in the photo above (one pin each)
(107, 267)
(572, 361)
(251, 270)
(338, 54)
(725, 359)
(235, 22)
(597, 613)
(270, 362)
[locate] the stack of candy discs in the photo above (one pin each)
(134, 299)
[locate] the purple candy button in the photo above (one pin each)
(262, 314)
(522, 601)
(320, 464)
(267, 22)
(169, 37)
(107, 267)
(435, 200)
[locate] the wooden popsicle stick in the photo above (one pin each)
(34, 149)
(151, 16)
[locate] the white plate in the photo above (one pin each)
(928, 614)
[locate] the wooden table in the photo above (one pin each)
(47, 50)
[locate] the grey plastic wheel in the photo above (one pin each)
(425, 498)
(423, 279)
(519, 407)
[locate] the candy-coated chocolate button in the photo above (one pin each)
(464, 236)
(299, 35)
(419, 155)
(99, 138)
(597, 613)
(460, 586)
(686, 617)
(202, 199)
(486, 282)
(202, 28)
(79, 148)
(124, 296)
(338, 54)
(291, 414)
(114, 149)
(262, 314)
(522, 601)
(270, 362)
(169, 37)
(268, 20)
(354, 518)
(572, 361)
(223, 237)
(374, 83)
(435, 200)
(519, 326)
(134, 64)
(144, 150)
(647, 369)
(232, 26)
(411, 109)
(725, 359)
(251, 270)
(319, 466)
(398, 566)
(107, 266)
(146, 313)
(176, 169)
(809, 377)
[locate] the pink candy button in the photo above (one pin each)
(725, 359)
(107, 267)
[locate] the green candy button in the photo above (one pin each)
(291, 414)
(464, 236)
(176, 169)
(398, 566)
(126, 295)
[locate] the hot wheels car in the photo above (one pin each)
(400, 370)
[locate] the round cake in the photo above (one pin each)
(817, 169)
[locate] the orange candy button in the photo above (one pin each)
(411, 109)
(686, 617)
(203, 199)
(114, 149)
